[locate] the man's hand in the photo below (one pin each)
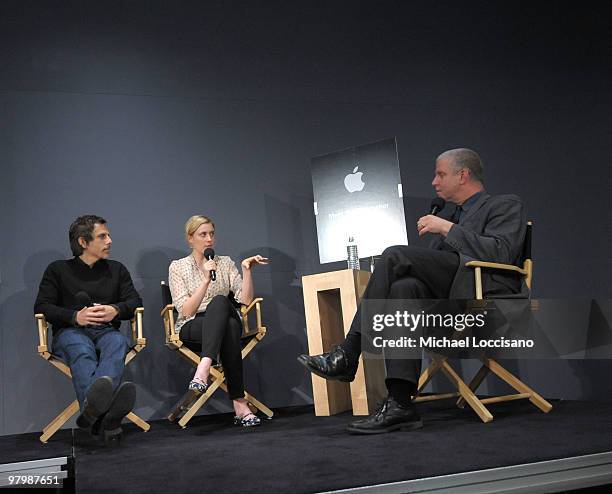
(246, 264)
(433, 224)
(96, 315)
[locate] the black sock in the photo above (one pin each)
(352, 346)
(401, 390)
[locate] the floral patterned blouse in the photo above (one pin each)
(185, 277)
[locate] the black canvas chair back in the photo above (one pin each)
(167, 300)
(166, 295)
(466, 393)
(527, 244)
(194, 346)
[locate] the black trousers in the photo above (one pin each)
(218, 330)
(406, 272)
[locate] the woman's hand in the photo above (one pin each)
(246, 264)
(207, 267)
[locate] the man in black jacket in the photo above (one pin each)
(85, 299)
(474, 225)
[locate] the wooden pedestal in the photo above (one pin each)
(330, 301)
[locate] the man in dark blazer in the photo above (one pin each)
(472, 225)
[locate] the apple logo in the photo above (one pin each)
(353, 182)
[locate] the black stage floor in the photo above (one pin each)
(297, 452)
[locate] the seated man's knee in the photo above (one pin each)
(408, 287)
(403, 250)
(115, 342)
(73, 346)
(392, 251)
(75, 353)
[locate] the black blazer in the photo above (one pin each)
(492, 230)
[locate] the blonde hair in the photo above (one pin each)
(196, 222)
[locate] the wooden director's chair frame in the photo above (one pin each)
(43, 329)
(466, 392)
(251, 336)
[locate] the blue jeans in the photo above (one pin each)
(91, 353)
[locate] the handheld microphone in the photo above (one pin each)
(209, 254)
(437, 205)
(82, 300)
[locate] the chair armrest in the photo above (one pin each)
(43, 331)
(480, 265)
(137, 327)
(165, 310)
(172, 338)
(244, 312)
(495, 265)
(245, 309)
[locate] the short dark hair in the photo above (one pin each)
(464, 158)
(83, 226)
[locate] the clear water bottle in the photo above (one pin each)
(352, 257)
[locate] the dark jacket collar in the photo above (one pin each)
(472, 206)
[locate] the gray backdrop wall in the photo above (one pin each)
(146, 112)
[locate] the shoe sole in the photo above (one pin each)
(122, 404)
(343, 379)
(412, 426)
(99, 398)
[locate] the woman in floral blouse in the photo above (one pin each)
(207, 316)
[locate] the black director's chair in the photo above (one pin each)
(466, 392)
(250, 338)
(138, 343)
